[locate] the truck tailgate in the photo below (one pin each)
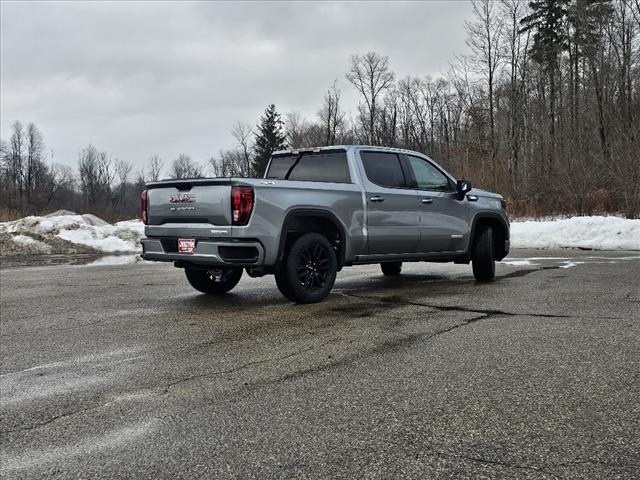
(189, 201)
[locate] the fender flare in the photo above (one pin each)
(311, 212)
(483, 216)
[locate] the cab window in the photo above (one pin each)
(427, 176)
(329, 167)
(317, 167)
(383, 169)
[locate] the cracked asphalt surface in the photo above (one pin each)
(126, 372)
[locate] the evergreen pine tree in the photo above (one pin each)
(269, 138)
(548, 20)
(587, 20)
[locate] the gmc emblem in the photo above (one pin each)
(182, 198)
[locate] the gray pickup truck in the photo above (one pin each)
(318, 210)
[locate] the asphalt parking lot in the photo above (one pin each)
(126, 372)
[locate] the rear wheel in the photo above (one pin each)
(484, 266)
(309, 269)
(391, 268)
(214, 281)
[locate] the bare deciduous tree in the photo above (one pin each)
(61, 182)
(300, 132)
(371, 76)
(96, 175)
(484, 36)
(35, 167)
(244, 135)
(184, 167)
(122, 171)
(229, 163)
(331, 115)
(515, 56)
(17, 145)
(154, 168)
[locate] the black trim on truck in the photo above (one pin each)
(188, 183)
(310, 212)
(504, 249)
(239, 254)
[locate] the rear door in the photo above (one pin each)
(443, 218)
(392, 207)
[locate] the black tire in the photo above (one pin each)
(283, 284)
(309, 269)
(391, 269)
(484, 265)
(215, 281)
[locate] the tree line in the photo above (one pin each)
(544, 109)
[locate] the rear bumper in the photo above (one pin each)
(241, 253)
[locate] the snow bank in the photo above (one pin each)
(62, 232)
(31, 244)
(121, 237)
(597, 233)
(66, 232)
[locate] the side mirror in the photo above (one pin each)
(463, 187)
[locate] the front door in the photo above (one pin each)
(444, 225)
(392, 208)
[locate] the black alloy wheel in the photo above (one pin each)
(309, 269)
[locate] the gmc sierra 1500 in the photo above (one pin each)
(318, 210)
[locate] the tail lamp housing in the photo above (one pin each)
(242, 201)
(143, 207)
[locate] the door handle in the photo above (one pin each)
(377, 199)
(426, 200)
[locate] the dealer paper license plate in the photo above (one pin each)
(186, 245)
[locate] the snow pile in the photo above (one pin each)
(597, 233)
(121, 237)
(32, 244)
(67, 232)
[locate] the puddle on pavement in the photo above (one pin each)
(565, 262)
(115, 260)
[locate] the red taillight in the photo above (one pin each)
(241, 204)
(143, 206)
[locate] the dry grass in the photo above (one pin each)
(113, 218)
(9, 214)
(596, 202)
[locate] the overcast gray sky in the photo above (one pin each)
(170, 77)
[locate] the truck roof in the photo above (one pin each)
(343, 147)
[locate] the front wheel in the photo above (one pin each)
(214, 281)
(484, 265)
(309, 269)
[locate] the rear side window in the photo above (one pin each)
(279, 166)
(383, 169)
(318, 167)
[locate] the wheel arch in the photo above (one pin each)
(305, 220)
(500, 229)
